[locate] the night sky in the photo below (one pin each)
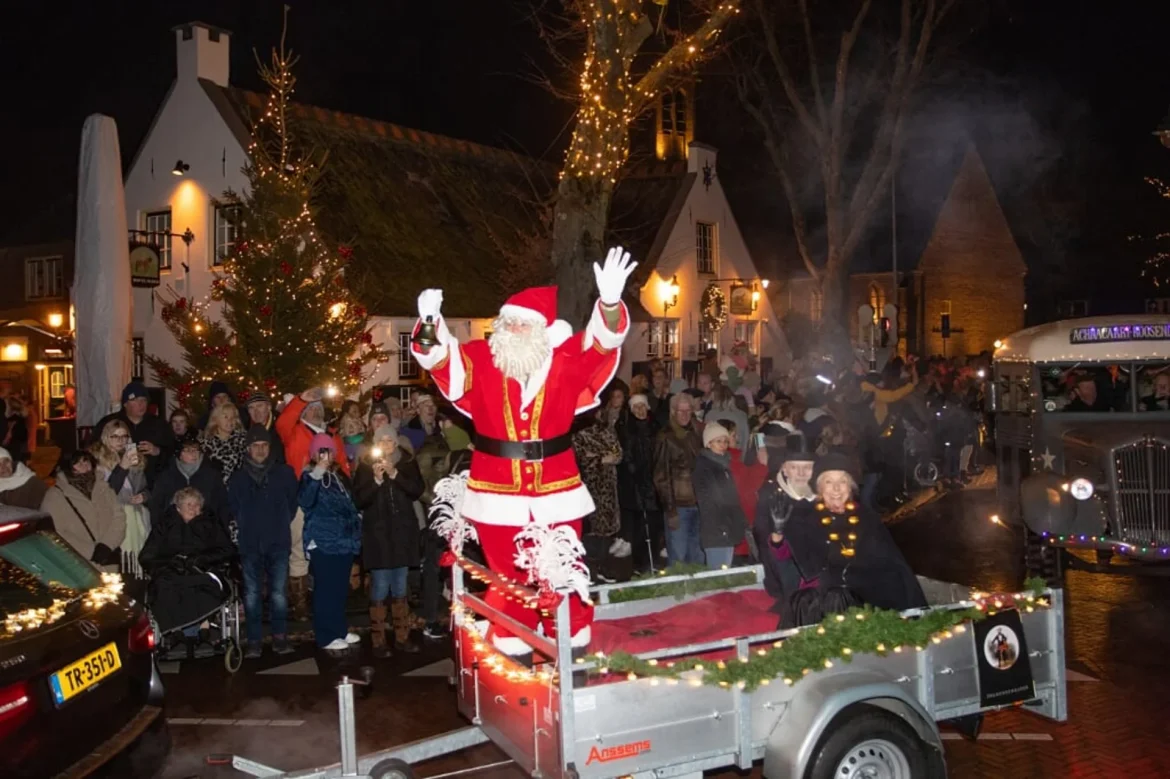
(1059, 97)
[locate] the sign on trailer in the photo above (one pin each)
(1115, 333)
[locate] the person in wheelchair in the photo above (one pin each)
(188, 557)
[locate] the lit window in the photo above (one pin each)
(653, 339)
(708, 338)
(705, 247)
(946, 307)
(670, 338)
(816, 306)
(227, 230)
(407, 365)
(43, 278)
(158, 235)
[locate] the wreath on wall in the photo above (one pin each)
(714, 307)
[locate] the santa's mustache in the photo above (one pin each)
(519, 354)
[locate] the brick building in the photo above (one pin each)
(970, 268)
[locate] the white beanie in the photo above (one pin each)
(639, 398)
(713, 430)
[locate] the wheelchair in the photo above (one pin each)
(223, 627)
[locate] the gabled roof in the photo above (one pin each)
(646, 203)
(420, 209)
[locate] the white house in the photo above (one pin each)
(692, 242)
(425, 210)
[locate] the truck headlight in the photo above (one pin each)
(1081, 489)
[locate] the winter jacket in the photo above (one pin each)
(151, 429)
(207, 479)
(28, 495)
(263, 509)
(431, 460)
(225, 453)
(390, 532)
(180, 558)
(774, 508)
(296, 435)
(636, 472)
(332, 522)
(721, 519)
(748, 480)
(102, 519)
(674, 461)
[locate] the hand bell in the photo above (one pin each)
(426, 337)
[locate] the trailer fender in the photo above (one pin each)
(818, 699)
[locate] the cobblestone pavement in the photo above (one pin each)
(283, 711)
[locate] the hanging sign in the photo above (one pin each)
(741, 300)
(144, 265)
(1005, 673)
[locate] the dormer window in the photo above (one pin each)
(705, 247)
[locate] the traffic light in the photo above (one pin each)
(946, 326)
(885, 326)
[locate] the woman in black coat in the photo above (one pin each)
(641, 518)
(386, 485)
(721, 519)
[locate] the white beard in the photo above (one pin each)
(519, 356)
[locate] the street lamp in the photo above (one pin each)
(669, 294)
(56, 320)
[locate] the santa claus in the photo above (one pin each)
(522, 388)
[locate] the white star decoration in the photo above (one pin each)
(1049, 458)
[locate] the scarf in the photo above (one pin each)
(258, 471)
(790, 491)
(82, 482)
(722, 459)
(188, 469)
(20, 474)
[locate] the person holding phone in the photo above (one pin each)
(122, 467)
(332, 537)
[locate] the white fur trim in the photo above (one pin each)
(559, 332)
(532, 387)
(493, 508)
(456, 372)
(553, 558)
(597, 329)
(447, 512)
(510, 645)
(582, 637)
(522, 312)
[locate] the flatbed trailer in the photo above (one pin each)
(874, 717)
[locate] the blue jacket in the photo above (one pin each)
(263, 510)
(331, 518)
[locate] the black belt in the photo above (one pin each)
(524, 450)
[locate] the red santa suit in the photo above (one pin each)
(523, 469)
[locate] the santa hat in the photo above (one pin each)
(538, 304)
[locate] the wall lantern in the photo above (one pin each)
(180, 168)
(56, 320)
(669, 291)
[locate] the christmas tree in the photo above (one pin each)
(288, 320)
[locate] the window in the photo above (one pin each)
(43, 278)
(1158, 306)
(816, 305)
(407, 366)
(705, 247)
(1084, 387)
(662, 339)
(877, 300)
(158, 228)
(946, 307)
(653, 339)
(138, 359)
(1153, 388)
(708, 339)
(227, 230)
(746, 332)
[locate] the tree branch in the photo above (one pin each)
(813, 66)
(807, 121)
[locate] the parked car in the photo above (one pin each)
(79, 689)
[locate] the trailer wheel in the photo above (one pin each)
(871, 744)
(392, 769)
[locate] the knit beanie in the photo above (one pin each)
(639, 399)
(714, 430)
(257, 433)
(319, 442)
(133, 391)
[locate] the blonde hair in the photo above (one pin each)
(103, 450)
(216, 422)
(848, 476)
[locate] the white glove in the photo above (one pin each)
(611, 278)
(429, 303)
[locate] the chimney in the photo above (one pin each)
(699, 156)
(202, 52)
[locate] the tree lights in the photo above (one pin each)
(286, 317)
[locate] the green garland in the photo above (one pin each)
(836, 639)
(680, 590)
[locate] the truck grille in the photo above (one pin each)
(1143, 492)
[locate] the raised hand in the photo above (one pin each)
(430, 301)
(611, 277)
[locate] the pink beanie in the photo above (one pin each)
(319, 442)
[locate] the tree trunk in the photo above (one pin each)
(834, 336)
(578, 241)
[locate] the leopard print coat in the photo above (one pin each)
(590, 445)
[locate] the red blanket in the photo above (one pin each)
(723, 615)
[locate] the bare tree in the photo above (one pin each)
(830, 92)
(613, 93)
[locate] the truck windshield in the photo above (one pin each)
(1153, 389)
(1083, 388)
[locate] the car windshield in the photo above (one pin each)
(36, 570)
(1086, 387)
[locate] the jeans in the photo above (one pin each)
(330, 591)
(682, 545)
(272, 564)
(719, 557)
(386, 582)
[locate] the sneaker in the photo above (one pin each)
(352, 638)
(253, 652)
(603, 578)
(281, 646)
(663, 554)
(436, 630)
(615, 547)
(336, 645)
(625, 550)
